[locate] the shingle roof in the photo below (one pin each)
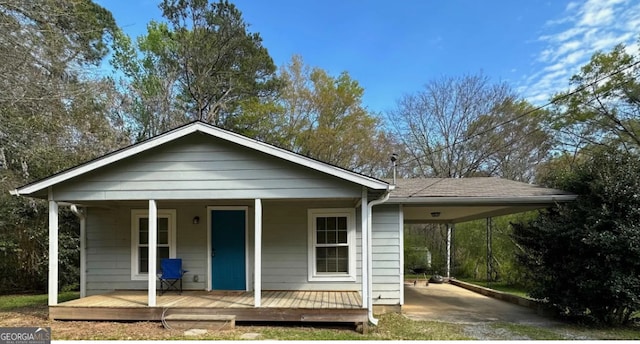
(484, 187)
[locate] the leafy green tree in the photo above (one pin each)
(470, 249)
(605, 109)
(218, 60)
(148, 88)
(201, 64)
(583, 257)
(53, 114)
(49, 107)
(323, 117)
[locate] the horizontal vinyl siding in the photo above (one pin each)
(109, 247)
(200, 167)
(285, 247)
(386, 255)
(109, 251)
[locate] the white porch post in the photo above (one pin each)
(364, 252)
(401, 227)
(257, 264)
(83, 255)
(53, 250)
(153, 247)
(449, 250)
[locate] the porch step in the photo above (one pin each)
(199, 321)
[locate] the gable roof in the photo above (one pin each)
(207, 129)
(473, 190)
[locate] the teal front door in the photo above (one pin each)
(228, 263)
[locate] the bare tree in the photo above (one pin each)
(468, 126)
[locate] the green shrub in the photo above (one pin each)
(584, 256)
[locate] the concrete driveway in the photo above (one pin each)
(450, 303)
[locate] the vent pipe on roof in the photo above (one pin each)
(394, 158)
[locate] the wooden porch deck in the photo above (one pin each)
(131, 305)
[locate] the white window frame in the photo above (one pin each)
(312, 214)
(136, 215)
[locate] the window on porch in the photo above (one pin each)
(332, 245)
(166, 247)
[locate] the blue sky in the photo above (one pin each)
(394, 47)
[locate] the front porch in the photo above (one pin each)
(131, 305)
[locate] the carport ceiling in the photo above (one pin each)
(454, 200)
(414, 214)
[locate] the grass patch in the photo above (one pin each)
(612, 333)
(499, 286)
(12, 302)
(529, 332)
(392, 326)
(568, 332)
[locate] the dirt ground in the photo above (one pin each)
(77, 330)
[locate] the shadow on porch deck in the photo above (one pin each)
(130, 305)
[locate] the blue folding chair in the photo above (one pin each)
(171, 275)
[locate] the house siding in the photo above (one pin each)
(386, 247)
(202, 167)
(284, 245)
(109, 246)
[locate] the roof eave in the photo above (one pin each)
(469, 200)
(363, 180)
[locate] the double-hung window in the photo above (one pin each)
(166, 247)
(332, 240)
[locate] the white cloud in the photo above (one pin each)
(597, 13)
(570, 40)
(563, 36)
(572, 5)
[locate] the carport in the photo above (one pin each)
(455, 200)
